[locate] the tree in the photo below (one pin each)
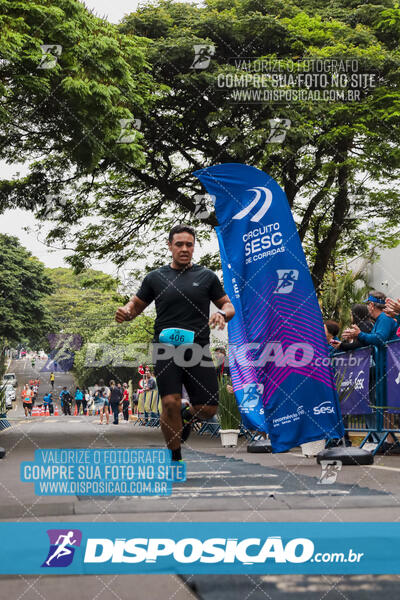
(23, 288)
(67, 78)
(82, 303)
(339, 162)
(115, 352)
(339, 291)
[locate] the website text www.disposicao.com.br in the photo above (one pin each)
(213, 550)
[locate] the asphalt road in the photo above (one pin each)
(24, 372)
(223, 485)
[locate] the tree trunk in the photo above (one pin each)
(326, 247)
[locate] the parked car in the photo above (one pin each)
(10, 378)
(10, 392)
(8, 402)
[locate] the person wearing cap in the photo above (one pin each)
(384, 328)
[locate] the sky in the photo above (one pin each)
(112, 10)
(14, 222)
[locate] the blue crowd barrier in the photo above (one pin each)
(379, 415)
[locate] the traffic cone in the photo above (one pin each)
(47, 411)
(34, 411)
(76, 411)
(42, 413)
(56, 411)
(130, 410)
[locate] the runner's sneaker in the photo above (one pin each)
(187, 418)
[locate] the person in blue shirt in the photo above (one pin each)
(384, 328)
(66, 400)
(79, 397)
(48, 402)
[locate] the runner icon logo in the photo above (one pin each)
(330, 471)
(62, 547)
(202, 56)
(286, 280)
(252, 394)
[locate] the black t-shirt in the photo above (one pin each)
(182, 298)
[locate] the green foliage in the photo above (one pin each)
(82, 303)
(338, 165)
(65, 120)
(23, 288)
(228, 411)
(339, 291)
(115, 352)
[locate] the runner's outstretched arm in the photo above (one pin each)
(131, 310)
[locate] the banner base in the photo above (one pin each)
(347, 456)
(259, 446)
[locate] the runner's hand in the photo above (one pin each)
(217, 320)
(123, 314)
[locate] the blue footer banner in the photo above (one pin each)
(212, 548)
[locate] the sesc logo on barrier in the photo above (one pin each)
(192, 550)
(62, 547)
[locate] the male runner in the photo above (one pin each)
(182, 292)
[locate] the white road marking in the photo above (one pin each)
(230, 488)
(384, 468)
(210, 473)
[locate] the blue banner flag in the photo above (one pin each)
(278, 352)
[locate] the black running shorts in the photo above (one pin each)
(191, 366)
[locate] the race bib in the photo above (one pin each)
(176, 337)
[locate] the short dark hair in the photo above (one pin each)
(332, 327)
(220, 349)
(181, 228)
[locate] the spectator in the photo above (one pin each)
(89, 401)
(105, 390)
(66, 400)
(48, 402)
(85, 400)
(115, 400)
(221, 362)
(135, 401)
(392, 309)
(125, 402)
(384, 328)
(361, 318)
(149, 381)
(331, 330)
(79, 397)
(102, 401)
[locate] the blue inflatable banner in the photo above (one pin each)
(278, 353)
